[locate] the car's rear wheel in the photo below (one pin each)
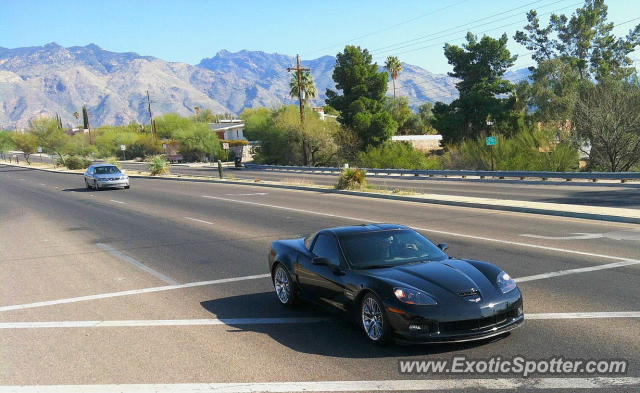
(126, 187)
(283, 286)
(374, 320)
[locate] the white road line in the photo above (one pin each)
(120, 255)
(42, 184)
(160, 322)
(249, 194)
(343, 386)
(113, 200)
(202, 221)
(574, 271)
(129, 292)
(584, 315)
(266, 321)
(364, 220)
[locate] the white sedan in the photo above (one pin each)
(100, 176)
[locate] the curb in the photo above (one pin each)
(405, 198)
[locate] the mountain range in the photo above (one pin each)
(45, 80)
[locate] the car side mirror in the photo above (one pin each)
(443, 246)
(319, 261)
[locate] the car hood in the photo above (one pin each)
(450, 278)
(109, 175)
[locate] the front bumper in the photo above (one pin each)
(113, 183)
(420, 328)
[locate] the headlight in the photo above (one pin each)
(414, 296)
(505, 282)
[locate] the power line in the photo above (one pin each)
(379, 55)
(465, 24)
(389, 27)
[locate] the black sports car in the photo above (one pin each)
(397, 283)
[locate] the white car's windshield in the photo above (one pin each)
(106, 170)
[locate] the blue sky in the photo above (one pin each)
(189, 30)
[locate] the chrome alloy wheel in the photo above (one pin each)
(372, 319)
(282, 285)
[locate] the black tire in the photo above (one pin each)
(86, 183)
(283, 286)
(126, 187)
(376, 328)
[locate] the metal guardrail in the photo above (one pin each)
(522, 175)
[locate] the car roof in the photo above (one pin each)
(101, 165)
(363, 228)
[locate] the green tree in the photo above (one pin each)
(51, 136)
(307, 84)
(6, 143)
(199, 142)
(607, 120)
(394, 67)
(480, 66)
(361, 104)
(26, 142)
(584, 41)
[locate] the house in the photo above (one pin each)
(229, 130)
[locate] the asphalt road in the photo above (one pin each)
(577, 193)
(187, 254)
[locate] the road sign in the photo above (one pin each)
(492, 141)
(39, 149)
(225, 145)
(123, 147)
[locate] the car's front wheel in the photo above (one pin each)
(374, 320)
(283, 285)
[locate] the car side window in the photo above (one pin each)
(327, 247)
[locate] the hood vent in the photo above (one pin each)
(470, 292)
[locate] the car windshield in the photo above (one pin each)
(106, 170)
(388, 248)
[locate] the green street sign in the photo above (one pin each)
(492, 141)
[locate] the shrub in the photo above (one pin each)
(397, 155)
(74, 162)
(112, 160)
(352, 179)
(540, 150)
(158, 165)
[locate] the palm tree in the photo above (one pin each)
(308, 86)
(394, 66)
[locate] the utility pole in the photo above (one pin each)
(151, 122)
(299, 69)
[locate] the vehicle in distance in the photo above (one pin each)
(101, 176)
(397, 284)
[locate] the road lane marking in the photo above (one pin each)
(120, 255)
(129, 292)
(202, 221)
(579, 270)
(490, 384)
(362, 220)
(576, 236)
(584, 315)
(161, 322)
(266, 321)
(113, 200)
(249, 194)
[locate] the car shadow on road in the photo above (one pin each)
(336, 336)
(84, 189)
